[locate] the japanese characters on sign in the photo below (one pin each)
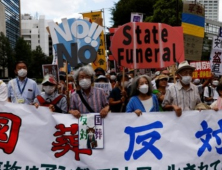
(91, 133)
(193, 20)
(202, 69)
(216, 55)
(153, 141)
(9, 131)
(101, 53)
(105, 86)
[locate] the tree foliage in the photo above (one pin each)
(165, 11)
(121, 12)
(38, 59)
(6, 54)
(23, 51)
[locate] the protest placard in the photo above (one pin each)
(147, 45)
(216, 55)
(75, 40)
(202, 70)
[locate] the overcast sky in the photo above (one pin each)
(57, 9)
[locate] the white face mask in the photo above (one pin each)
(22, 72)
(215, 82)
(124, 84)
(112, 77)
(186, 79)
(196, 81)
(48, 89)
(144, 88)
(85, 83)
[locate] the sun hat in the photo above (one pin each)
(162, 76)
(184, 65)
(101, 77)
(49, 78)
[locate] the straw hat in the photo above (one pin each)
(184, 65)
(162, 76)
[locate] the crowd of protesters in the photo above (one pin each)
(127, 92)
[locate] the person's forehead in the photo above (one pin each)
(186, 69)
(21, 65)
(142, 79)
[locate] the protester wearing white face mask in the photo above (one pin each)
(56, 102)
(183, 95)
(142, 99)
(210, 92)
(87, 99)
(21, 89)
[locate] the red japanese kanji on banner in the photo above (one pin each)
(202, 69)
(67, 139)
(9, 131)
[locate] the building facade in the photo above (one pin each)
(2, 19)
(34, 31)
(12, 20)
(211, 8)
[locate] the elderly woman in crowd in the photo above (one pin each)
(142, 99)
(87, 99)
(161, 85)
(50, 98)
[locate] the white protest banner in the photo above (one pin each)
(36, 139)
(216, 55)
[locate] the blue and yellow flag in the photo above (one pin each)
(193, 22)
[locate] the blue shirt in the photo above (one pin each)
(28, 95)
(135, 104)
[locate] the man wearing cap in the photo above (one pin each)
(21, 89)
(56, 102)
(183, 95)
(99, 71)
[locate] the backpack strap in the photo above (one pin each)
(84, 101)
(209, 91)
(57, 99)
(42, 101)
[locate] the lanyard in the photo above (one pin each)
(21, 91)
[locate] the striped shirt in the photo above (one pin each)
(96, 99)
(185, 99)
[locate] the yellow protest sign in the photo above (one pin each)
(101, 53)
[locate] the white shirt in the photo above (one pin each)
(3, 91)
(148, 104)
(214, 93)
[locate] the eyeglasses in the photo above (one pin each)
(187, 72)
